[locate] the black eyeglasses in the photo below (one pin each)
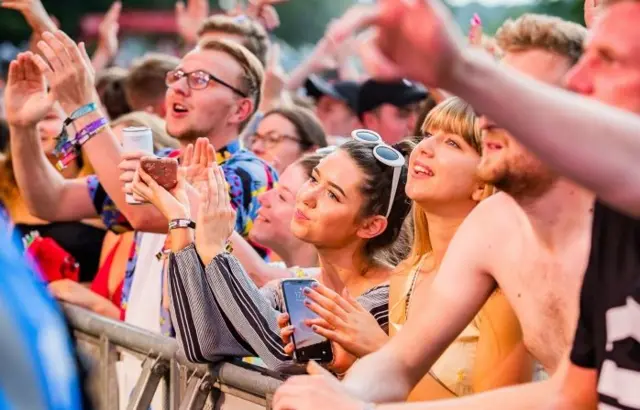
(198, 80)
(270, 139)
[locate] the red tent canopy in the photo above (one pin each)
(134, 22)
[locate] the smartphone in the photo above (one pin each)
(163, 170)
(308, 344)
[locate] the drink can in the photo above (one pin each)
(137, 139)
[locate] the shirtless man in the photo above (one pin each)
(531, 239)
(567, 131)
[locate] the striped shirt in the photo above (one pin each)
(218, 312)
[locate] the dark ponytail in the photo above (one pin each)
(376, 190)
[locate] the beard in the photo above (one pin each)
(189, 134)
(521, 177)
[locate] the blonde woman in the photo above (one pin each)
(444, 188)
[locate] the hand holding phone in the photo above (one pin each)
(308, 345)
(163, 170)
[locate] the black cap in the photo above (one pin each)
(374, 93)
(346, 91)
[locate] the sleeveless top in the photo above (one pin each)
(453, 370)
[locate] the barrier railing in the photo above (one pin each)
(186, 385)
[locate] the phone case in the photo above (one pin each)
(163, 170)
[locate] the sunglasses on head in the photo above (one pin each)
(387, 155)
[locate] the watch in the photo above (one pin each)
(181, 223)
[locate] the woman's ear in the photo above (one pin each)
(372, 227)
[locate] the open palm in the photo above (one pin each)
(197, 160)
(26, 99)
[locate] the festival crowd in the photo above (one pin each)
(468, 208)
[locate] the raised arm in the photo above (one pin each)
(570, 388)
(566, 130)
(69, 73)
(445, 309)
(47, 194)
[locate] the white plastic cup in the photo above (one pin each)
(137, 139)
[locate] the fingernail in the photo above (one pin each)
(307, 302)
(306, 291)
(314, 328)
(314, 285)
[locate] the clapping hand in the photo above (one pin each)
(197, 160)
(216, 217)
(68, 70)
(26, 99)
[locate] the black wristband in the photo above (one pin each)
(181, 223)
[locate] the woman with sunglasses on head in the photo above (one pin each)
(351, 209)
(271, 229)
(285, 134)
(444, 188)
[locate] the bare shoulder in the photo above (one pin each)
(496, 209)
(491, 219)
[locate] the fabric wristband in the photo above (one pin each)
(89, 131)
(80, 112)
(181, 223)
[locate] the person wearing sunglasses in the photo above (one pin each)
(285, 134)
(351, 210)
(444, 188)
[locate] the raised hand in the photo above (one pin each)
(416, 39)
(26, 99)
(190, 17)
(274, 81)
(107, 37)
(344, 321)
(34, 12)
(265, 12)
(173, 205)
(197, 160)
(68, 70)
(216, 217)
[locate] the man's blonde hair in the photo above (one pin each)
(539, 31)
(252, 71)
(254, 36)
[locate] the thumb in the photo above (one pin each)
(314, 369)
(85, 55)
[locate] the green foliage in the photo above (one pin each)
(304, 21)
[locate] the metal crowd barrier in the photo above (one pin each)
(187, 386)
